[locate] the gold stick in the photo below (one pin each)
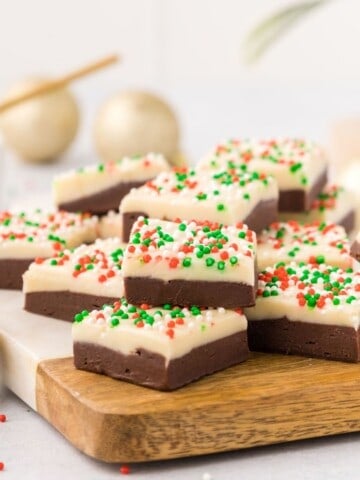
(50, 85)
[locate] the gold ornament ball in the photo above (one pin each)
(41, 128)
(135, 123)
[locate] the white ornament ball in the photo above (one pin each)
(41, 128)
(350, 179)
(135, 123)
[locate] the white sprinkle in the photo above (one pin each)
(221, 310)
(206, 476)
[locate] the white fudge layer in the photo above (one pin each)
(89, 269)
(331, 206)
(322, 295)
(295, 163)
(189, 194)
(30, 235)
(167, 332)
(190, 251)
(89, 180)
(312, 243)
(110, 225)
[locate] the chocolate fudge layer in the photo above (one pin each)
(11, 272)
(298, 200)
(84, 278)
(150, 369)
(355, 250)
(332, 205)
(280, 335)
(182, 292)
(265, 213)
(102, 202)
(163, 347)
(306, 309)
(190, 263)
(63, 305)
(348, 221)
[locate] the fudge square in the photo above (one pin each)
(334, 204)
(80, 279)
(226, 197)
(299, 166)
(190, 263)
(162, 348)
(25, 236)
(310, 310)
(355, 248)
(314, 243)
(99, 188)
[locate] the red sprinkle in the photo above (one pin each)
(2, 418)
(124, 469)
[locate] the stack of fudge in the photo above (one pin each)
(249, 248)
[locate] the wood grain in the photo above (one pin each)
(269, 399)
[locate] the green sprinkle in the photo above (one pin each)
(311, 302)
(78, 318)
(221, 265)
(201, 196)
(182, 227)
(53, 262)
(233, 260)
(320, 259)
(114, 322)
(186, 262)
(210, 262)
(294, 168)
(220, 207)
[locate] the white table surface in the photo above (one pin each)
(31, 449)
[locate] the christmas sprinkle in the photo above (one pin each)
(53, 232)
(316, 242)
(222, 195)
(167, 320)
(313, 286)
(191, 246)
(294, 155)
(102, 260)
(328, 198)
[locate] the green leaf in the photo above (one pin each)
(272, 28)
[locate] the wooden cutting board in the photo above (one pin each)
(269, 399)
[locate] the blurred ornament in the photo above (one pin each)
(135, 123)
(41, 128)
(345, 142)
(350, 179)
